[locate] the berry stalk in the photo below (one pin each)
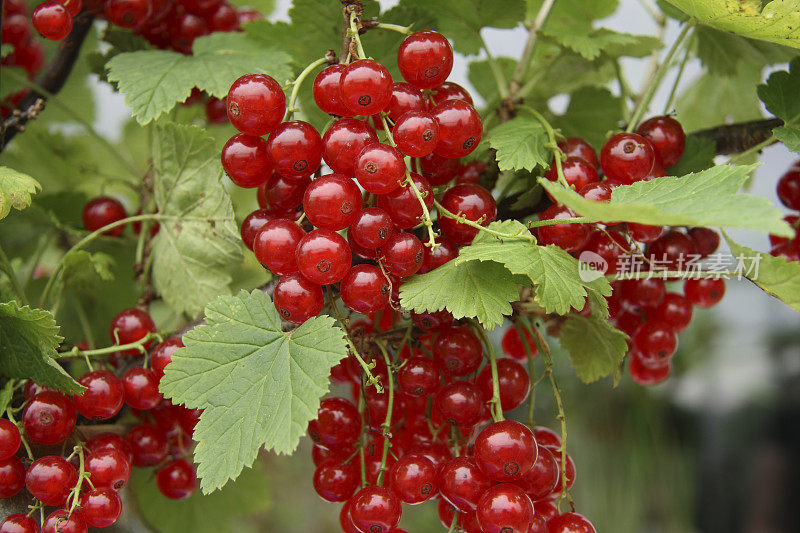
(497, 414)
(290, 108)
(524, 235)
(553, 145)
(386, 427)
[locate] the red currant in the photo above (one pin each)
(53, 21)
(675, 311)
(371, 228)
(403, 254)
(10, 439)
(162, 355)
(569, 236)
(474, 203)
(608, 244)
(375, 509)
(297, 299)
(673, 250)
(62, 521)
(380, 168)
(461, 483)
(103, 397)
(460, 128)
(577, 147)
(504, 508)
(419, 376)
(100, 507)
(338, 423)
(326, 91)
(332, 202)
(416, 133)
(425, 59)
(256, 104)
(224, 18)
(451, 91)
(506, 450)
(253, 222)
(667, 137)
(284, 194)
(109, 468)
(405, 98)
(365, 87)
(458, 351)
(706, 240)
(704, 292)
(460, 404)
(12, 476)
(129, 326)
(403, 205)
(246, 160)
(570, 523)
(432, 320)
(141, 388)
(365, 289)
(323, 256)
(546, 437)
(343, 141)
(101, 212)
(185, 29)
(644, 374)
(439, 170)
(627, 158)
(413, 479)
(295, 148)
(148, 445)
(49, 418)
(109, 441)
(19, 523)
(639, 295)
(50, 479)
(655, 343)
(789, 189)
(577, 171)
(599, 191)
(446, 251)
(542, 478)
(177, 480)
(336, 481)
(15, 28)
(515, 383)
(275, 245)
(644, 232)
(512, 344)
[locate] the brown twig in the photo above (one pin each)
(736, 138)
(348, 7)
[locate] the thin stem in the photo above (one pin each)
(5, 266)
(139, 345)
(530, 44)
(499, 77)
(750, 151)
(677, 82)
(552, 143)
(497, 414)
(426, 214)
(354, 35)
(405, 30)
(655, 80)
(388, 131)
(454, 523)
(386, 427)
(76, 490)
(290, 109)
(523, 234)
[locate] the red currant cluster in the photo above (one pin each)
(426, 118)
(789, 195)
(434, 440)
(86, 496)
(28, 53)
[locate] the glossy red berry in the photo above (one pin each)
(569, 236)
(15, 29)
(256, 104)
(109, 468)
(177, 480)
(546, 437)
(12, 476)
(148, 445)
(512, 344)
(674, 311)
(375, 509)
(505, 450)
(283, 194)
(50, 479)
(577, 147)
(577, 171)
(246, 160)
(570, 523)
(403, 254)
(439, 170)
(275, 245)
(673, 250)
(109, 441)
(323, 256)
(416, 133)
(704, 292)
(365, 87)
(9, 439)
(639, 295)
(186, 29)
(52, 20)
(451, 91)
(413, 479)
(380, 168)
(462, 483)
(336, 481)
(49, 418)
(403, 205)
(371, 228)
(460, 128)
(610, 245)
(338, 423)
(365, 289)
(627, 158)
(655, 343)
(644, 374)
(131, 325)
(19, 523)
(103, 397)
(542, 478)
(405, 98)
(504, 508)
(458, 351)
(101, 212)
(141, 388)
(295, 149)
(343, 141)
(100, 507)
(419, 376)
(515, 383)
(474, 203)
(425, 59)
(326, 91)
(62, 521)
(667, 137)
(460, 404)
(789, 189)
(446, 251)
(253, 222)
(224, 18)
(297, 299)
(432, 320)
(162, 355)
(332, 202)
(644, 233)
(706, 240)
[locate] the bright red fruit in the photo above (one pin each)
(405, 98)
(458, 351)
(451, 91)
(505, 450)
(275, 245)
(128, 13)
(706, 240)
(569, 236)
(419, 376)
(365, 87)
(62, 521)
(667, 137)
(162, 355)
(380, 168)
(253, 222)
(643, 374)
(365, 289)
(425, 59)
(416, 133)
(403, 254)
(177, 480)
(460, 128)
(570, 523)
(129, 326)
(789, 189)
(515, 383)
(295, 148)
(644, 232)
(50, 478)
(332, 202)
(338, 423)
(446, 251)
(52, 20)
(323, 256)
(460, 404)
(704, 292)
(297, 299)
(375, 509)
(512, 344)
(577, 171)
(256, 104)
(343, 141)
(283, 194)
(627, 158)
(413, 479)
(403, 205)
(110, 468)
(371, 228)
(148, 445)
(577, 147)
(504, 508)
(655, 343)
(246, 160)
(439, 170)
(326, 91)
(49, 418)
(141, 388)
(12, 476)
(542, 478)
(462, 483)
(672, 250)
(599, 191)
(9, 439)
(103, 397)
(19, 523)
(187, 28)
(336, 481)
(472, 202)
(675, 311)
(103, 211)
(100, 507)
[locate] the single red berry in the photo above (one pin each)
(460, 404)
(182, 33)
(375, 509)
(129, 326)
(470, 173)
(128, 13)
(570, 523)
(627, 158)
(432, 320)
(162, 355)
(141, 388)
(323, 256)
(102, 211)
(100, 507)
(416, 133)
(413, 479)
(256, 104)
(546, 437)
(15, 28)
(512, 344)
(504, 508)
(365, 87)
(460, 128)
(380, 168)
(50, 479)
(217, 109)
(646, 375)
(29, 55)
(542, 479)
(640, 295)
(338, 423)
(9, 439)
(444, 252)
(110, 468)
(655, 343)
(628, 322)
(49, 418)
(403, 254)
(451, 91)
(52, 20)
(419, 376)
(345, 520)
(675, 311)
(403, 205)
(371, 228)
(297, 299)
(644, 233)
(365, 289)
(667, 137)
(62, 521)
(12, 476)
(515, 383)
(336, 481)
(253, 222)
(706, 240)
(295, 148)
(569, 236)
(246, 160)
(326, 91)
(704, 292)
(474, 203)
(577, 171)
(577, 147)
(405, 98)
(109, 441)
(425, 59)
(673, 250)
(439, 170)
(148, 445)
(462, 483)
(177, 480)
(19, 523)
(789, 189)
(458, 351)
(332, 202)
(610, 245)
(275, 245)
(506, 450)
(103, 397)
(224, 18)
(282, 194)
(343, 141)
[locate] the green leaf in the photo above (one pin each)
(217, 60)
(709, 198)
(723, 53)
(578, 11)
(6, 393)
(28, 341)
(776, 21)
(775, 275)
(462, 20)
(591, 114)
(16, 189)
(520, 144)
(6, 49)
(192, 255)
(258, 385)
(473, 289)
(698, 154)
(212, 513)
(84, 271)
(595, 347)
(591, 43)
(480, 76)
(780, 95)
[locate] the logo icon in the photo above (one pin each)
(591, 266)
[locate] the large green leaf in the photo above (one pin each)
(28, 341)
(520, 144)
(16, 189)
(777, 21)
(709, 198)
(595, 347)
(258, 385)
(217, 60)
(714, 100)
(193, 254)
(775, 275)
(723, 53)
(780, 95)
